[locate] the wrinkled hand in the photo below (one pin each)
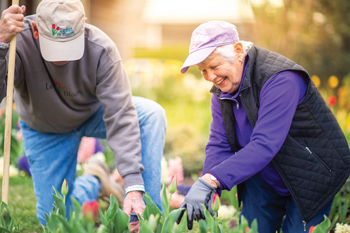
(133, 202)
(11, 22)
(200, 193)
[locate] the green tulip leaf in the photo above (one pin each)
(103, 218)
(121, 221)
(58, 206)
(244, 223)
(323, 226)
(151, 208)
(159, 227)
(203, 226)
(254, 227)
(165, 202)
(144, 228)
(169, 221)
(77, 210)
(3, 229)
(208, 218)
(183, 223)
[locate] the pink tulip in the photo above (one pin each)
(215, 205)
(175, 169)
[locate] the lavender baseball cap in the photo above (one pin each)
(206, 38)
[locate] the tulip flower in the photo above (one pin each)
(311, 229)
(332, 100)
(153, 221)
(333, 81)
(172, 187)
(64, 189)
(215, 205)
(90, 210)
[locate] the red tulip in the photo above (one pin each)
(91, 210)
(311, 229)
(53, 26)
(332, 100)
(58, 28)
(215, 205)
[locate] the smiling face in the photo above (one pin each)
(224, 74)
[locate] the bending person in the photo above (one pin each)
(272, 134)
(69, 83)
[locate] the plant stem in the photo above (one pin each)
(169, 201)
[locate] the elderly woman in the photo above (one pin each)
(271, 134)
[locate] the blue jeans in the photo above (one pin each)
(53, 157)
(261, 202)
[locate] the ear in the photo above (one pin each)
(238, 48)
(35, 30)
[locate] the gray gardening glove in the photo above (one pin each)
(201, 192)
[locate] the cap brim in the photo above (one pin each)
(62, 51)
(196, 58)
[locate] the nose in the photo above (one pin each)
(210, 76)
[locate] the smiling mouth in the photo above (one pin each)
(221, 81)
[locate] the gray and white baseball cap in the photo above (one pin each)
(61, 26)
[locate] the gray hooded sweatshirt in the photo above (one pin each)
(98, 78)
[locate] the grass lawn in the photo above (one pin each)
(22, 204)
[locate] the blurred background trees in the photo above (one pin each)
(314, 33)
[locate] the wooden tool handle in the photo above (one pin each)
(8, 116)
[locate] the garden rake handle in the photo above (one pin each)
(8, 116)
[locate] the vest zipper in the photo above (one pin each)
(290, 189)
(237, 103)
(324, 164)
(304, 223)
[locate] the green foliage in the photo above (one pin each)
(315, 34)
(186, 142)
(7, 222)
(17, 147)
(341, 207)
(114, 220)
(324, 226)
(230, 197)
(57, 221)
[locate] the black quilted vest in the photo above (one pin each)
(314, 159)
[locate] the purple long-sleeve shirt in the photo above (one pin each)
(278, 100)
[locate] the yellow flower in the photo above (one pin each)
(22, 173)
(316, 80)
(333, 81)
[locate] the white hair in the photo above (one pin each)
(227, 51)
